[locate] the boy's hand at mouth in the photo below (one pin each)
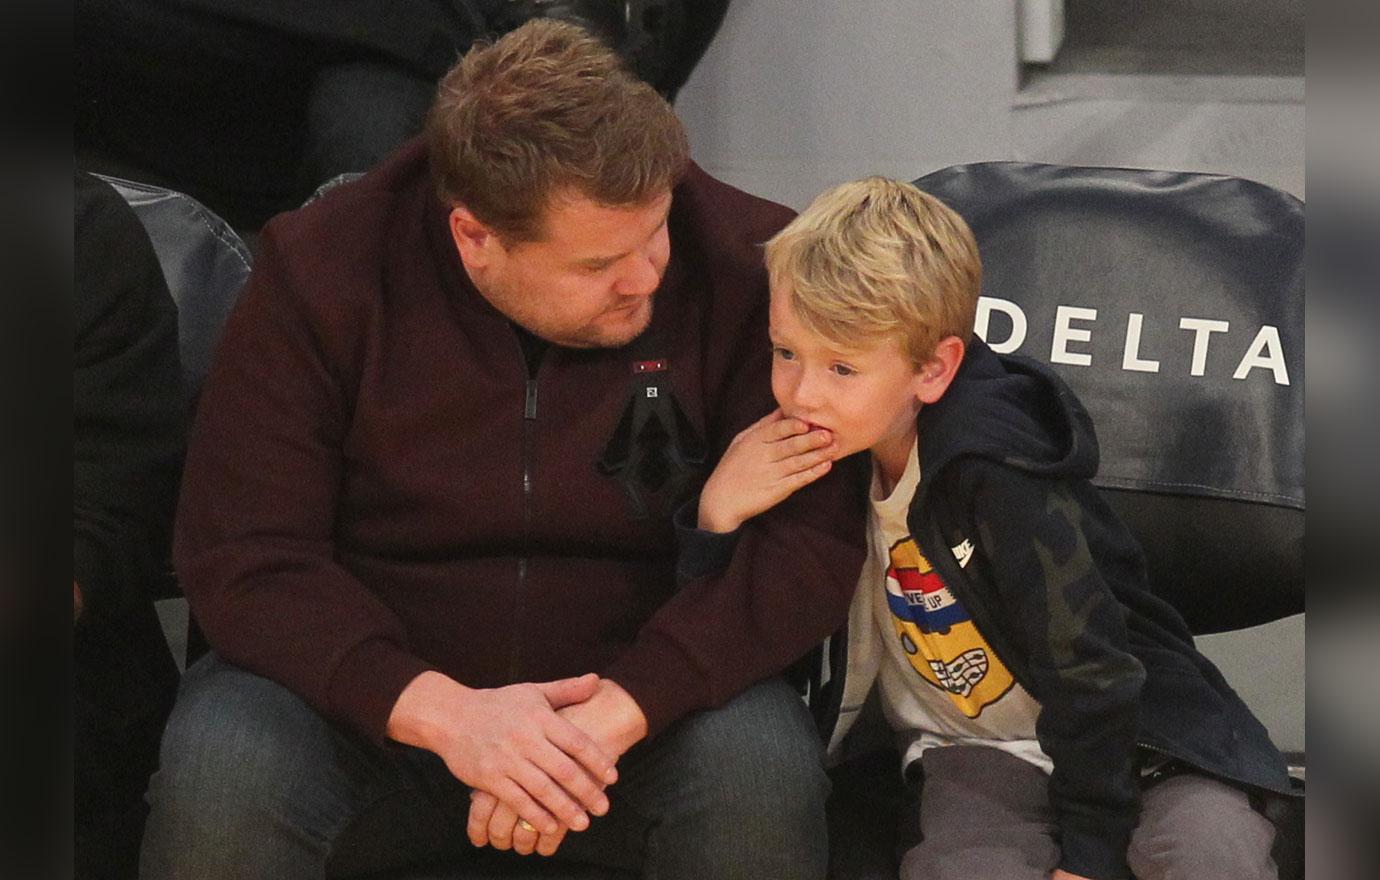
(764, 464)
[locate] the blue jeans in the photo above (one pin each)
(254, 783)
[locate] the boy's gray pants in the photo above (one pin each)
(985, 815)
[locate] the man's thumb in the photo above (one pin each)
(568, 691)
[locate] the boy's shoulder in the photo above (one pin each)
(1007, 412)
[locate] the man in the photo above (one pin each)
(429, 496)
(128, 425)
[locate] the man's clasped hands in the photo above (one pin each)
(538, 756)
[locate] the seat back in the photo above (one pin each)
(206, 265)
(1172, 304)
(204, 261)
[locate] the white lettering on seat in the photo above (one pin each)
(1064, 333)
(1202, 328)
(1257, 356)
(1130, 357)
(1266, 350)
(988, 304)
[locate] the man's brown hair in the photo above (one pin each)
(544, 109)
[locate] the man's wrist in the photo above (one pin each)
(627, 724)
(412, 721)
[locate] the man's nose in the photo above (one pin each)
(640, 279)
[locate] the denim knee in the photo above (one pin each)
(760, 754)
(241, 789)
(740, 791)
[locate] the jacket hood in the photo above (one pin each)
(1012, 410)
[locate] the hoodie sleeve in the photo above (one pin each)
(1057, 607)
(699, 553)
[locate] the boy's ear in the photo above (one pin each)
(934, 377)
(475, 241)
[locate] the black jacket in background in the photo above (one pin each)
(128, 426)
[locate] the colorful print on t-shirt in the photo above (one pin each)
(938, 635)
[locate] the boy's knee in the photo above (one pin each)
(1192, 826)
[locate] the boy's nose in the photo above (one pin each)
(806, 395)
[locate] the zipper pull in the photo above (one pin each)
(529, 408)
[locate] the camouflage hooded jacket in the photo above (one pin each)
(1057, 586)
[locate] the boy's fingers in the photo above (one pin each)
(765, 421)
(578, 745)
(805, 461)
(809, 475)
(550, 797)
(788, 427)
(567, 691)
(501, 826)
(802, 444)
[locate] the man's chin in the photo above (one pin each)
(620, 333)
(606, 333)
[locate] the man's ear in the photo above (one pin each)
(934, 377)
(475, 241)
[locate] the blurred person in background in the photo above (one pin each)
(128, 426)
(250, 105)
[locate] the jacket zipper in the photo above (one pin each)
(529, 417)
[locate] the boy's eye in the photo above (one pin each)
(843, 370)
(784, 353)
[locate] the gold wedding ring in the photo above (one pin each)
(527, 826)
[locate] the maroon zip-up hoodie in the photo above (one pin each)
(374, 487)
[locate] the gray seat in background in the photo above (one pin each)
(204, 262)
(1192, 367)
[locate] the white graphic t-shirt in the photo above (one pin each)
(941, 683)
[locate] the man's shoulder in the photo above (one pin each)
(726, 224)
(350, 229)
(362, 208)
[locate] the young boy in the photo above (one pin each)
(1061, 720)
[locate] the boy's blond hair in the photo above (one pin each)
(876, 258)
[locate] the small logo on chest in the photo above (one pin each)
(963, 552)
